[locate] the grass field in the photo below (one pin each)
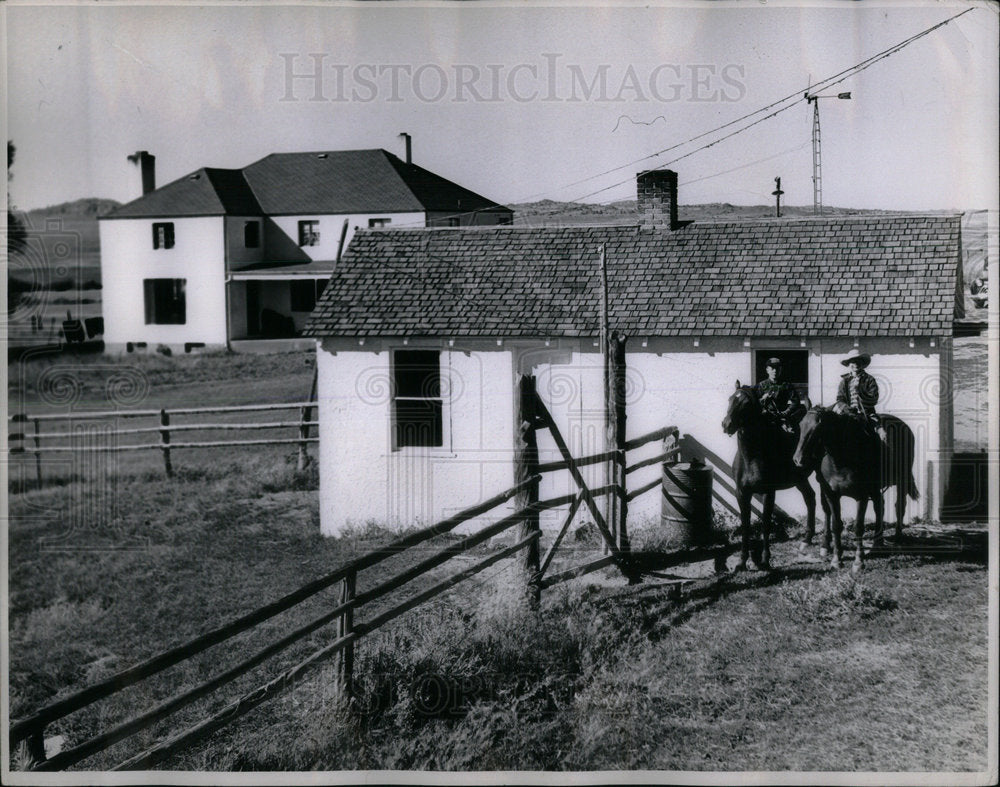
(802, 668)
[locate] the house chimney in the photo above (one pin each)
(147, 167)
(657, 193)
(409, 150)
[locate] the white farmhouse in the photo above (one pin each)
(421, 335)
(223, 255)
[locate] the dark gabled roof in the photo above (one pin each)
(323, 182)
(207, 192)
(844, 276)
(354, 181)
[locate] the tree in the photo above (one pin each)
(17, 235)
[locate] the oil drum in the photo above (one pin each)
(687, 504)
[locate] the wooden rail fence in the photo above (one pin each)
(535, 574)
(59, 441)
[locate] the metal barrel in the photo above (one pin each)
(687, 504)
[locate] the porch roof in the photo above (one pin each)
(278, 270)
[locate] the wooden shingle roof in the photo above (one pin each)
(838, 276)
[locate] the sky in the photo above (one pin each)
(519, 101)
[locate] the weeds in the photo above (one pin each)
(839, 597)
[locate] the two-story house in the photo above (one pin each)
(228, 255)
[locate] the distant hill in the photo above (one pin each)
(63, 242)
(552, 212)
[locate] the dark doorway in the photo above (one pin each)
(253, 308)
(794, 367)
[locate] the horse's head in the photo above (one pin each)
(809, 450)
(743, 404)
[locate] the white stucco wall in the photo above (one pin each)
(330, 227)
(363, 478)
(128, 258)
(669, 382)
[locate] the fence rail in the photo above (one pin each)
(164, 429)
(351, 600)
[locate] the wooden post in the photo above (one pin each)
(165, 442)
(610, 509)
(36, 746)
(616, 435)
(38, 455)
(305, 416)
(525, 467)
(348, 589)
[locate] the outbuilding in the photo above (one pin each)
(421, 335)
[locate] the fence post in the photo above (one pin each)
(525, 467)
(36, 745)
(303, 436)
(616, 437)
(345, 625)
(38, 455)
(165, 442)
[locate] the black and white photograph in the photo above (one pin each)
(500, 392)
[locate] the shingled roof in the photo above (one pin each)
(207, 192)
(324, 182)
(843, 276)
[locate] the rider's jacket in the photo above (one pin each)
(784, 397)
(861, 396)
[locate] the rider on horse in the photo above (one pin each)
(857, 394)
(780, 399)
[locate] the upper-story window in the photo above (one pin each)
(251, 234)
(454, 221)
(309, 233)
(378, 222)
(163, 235)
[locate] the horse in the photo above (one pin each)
(850, 460)
(763, 465)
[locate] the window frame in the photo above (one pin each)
(308, 232)
(439, 439)
(154, 309)
(167, 229)
(254, 236)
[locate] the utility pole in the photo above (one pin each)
(813, 99)
(777, 197)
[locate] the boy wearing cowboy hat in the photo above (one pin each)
(779, 397)
(858, 390)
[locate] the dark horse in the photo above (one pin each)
(852, 461)
(763, 465)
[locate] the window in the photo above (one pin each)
(165, 301)
(251, 234)
(303, 295)
(163, 235)
(505, 218)
(378, 222)
(309, 233)
(454, 221)
(417, 402)
(794, 367)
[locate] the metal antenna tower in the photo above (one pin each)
(817, 157)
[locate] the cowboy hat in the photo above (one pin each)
(861, 359)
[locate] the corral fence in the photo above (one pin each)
(534, 571)
(58, 433)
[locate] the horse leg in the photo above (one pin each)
(879, 538)
(765, 531)
(824, 499)
(901, 488)
(744, 496)
(859, 521)
(810, 497)
(838, 527)
(859, 558)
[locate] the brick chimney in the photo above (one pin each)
(657, 192)
(147, 168)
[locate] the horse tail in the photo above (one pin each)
(912, 491)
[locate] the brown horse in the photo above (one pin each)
(851, 461)
(763, 465)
